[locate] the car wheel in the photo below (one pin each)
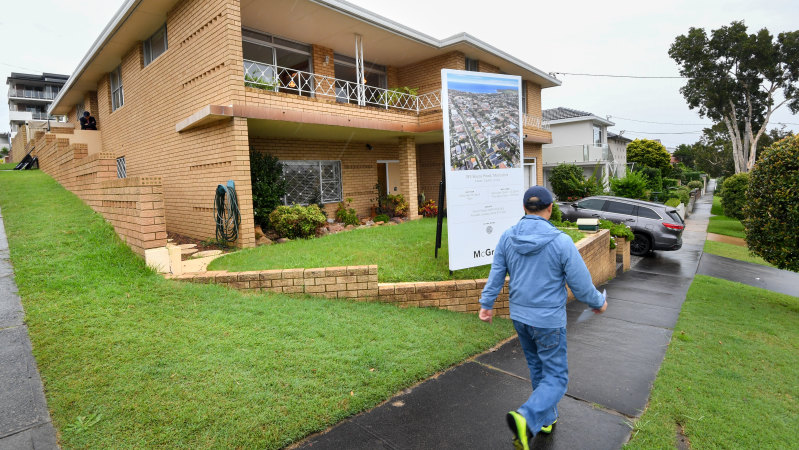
(641, 245)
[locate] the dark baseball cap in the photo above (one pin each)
(537, 197)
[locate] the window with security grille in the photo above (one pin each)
(312, 182)
(121, 171)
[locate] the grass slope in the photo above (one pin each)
(7, 166)
(721, 224)
(402, 252)
(129, 359)
(730, 373)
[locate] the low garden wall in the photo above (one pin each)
(360, 282)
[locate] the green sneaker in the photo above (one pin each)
(548, 428)
(518, 425)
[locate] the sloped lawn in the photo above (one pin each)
(729, 379)
(130, 360)
(403, 252)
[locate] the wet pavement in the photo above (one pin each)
(613, 360)
(24, 418)
(773, 279)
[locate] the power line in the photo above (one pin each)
(662, 123)
(653, 132)
(612, 75)
(20, 67)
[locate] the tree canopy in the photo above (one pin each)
(733, 78)
(647, 152)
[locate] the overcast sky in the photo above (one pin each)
(621, 37)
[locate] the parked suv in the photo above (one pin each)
(655, 226)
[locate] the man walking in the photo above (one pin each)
(540, 260)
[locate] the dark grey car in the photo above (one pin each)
(655, 226)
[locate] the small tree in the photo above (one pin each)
(568, 183)
(646, 152)
(633, 185)
(733, 77)
(733, 196)
(268, 186)
(772, 209)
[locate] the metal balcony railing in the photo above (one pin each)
(28, 93)
(274, 78)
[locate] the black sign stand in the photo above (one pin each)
(441, 211)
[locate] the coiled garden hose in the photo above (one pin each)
(226, 213)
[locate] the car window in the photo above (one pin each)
(591, 203)
(620, 208)
(648, 213)
(675, 216)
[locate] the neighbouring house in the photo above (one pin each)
(30, 96)
(183, 91)
(581, 138)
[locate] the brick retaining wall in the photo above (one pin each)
(360, 282)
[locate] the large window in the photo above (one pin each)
(597, 136)
(472, 65)
(117, 94)
(271, 60)
(312, 182)
(374, 75)
(155, 45)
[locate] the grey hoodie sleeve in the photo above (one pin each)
(578, 277)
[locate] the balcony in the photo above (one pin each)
(31, 94)
(577, 154)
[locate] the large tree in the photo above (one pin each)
(733, 78)
(646, 152)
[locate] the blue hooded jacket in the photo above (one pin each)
(540, 260)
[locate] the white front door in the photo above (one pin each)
(530, 178)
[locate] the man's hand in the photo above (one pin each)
(486, 315)
(602, 309)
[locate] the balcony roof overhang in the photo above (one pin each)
(385, 41)
(593, 119)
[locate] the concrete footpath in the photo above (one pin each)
(613, 360)
(24, 418)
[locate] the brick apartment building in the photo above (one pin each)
(184, 90)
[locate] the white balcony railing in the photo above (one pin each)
(29, 93)
(281, 79)
(274, 78)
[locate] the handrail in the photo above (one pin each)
(29, 93)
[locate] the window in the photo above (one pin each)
(620, 208)
(312, 182)
(374, 75)
(121, 171)
(155, 46)
(262, 52)
(592, 203)
(675, 216)
(648, 213)
(597, 136)
(79, 108)
(471, 65)
(117, 93)
(524, 97)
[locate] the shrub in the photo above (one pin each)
(394, 205)
(734, 195)
(556, 216)
(569, 184)
(670, 183)
(654, 181)
(673, 202)
(682, 193)
(297, 221)
(633, 185)
(268, 186)
(345, 214)
(772, 208)
(695, 185)
(382, 218)
(646, 152)
(617, 230)
(719, 185)
(429, 209)
(691, 175)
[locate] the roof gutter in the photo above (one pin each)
(117, 21)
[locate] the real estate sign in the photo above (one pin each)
(483, 157)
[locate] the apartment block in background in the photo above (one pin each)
(348, 100)
(30, 96)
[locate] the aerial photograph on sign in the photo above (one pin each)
(484, 121)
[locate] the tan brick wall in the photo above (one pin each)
(429, 159)
(202, 66)
(426, 75)
(533, 98)
(19, 145)
(483, 66)
(321, 67)
(360, 282)
(408, 180)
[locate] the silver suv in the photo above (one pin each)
(655, 226)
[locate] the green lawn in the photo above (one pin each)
(730, 373)
(733, 251)
(721, 224)
(130, 359)
(7, 166)
(402, 252)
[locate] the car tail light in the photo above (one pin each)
(673, 226)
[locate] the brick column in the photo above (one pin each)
(407, 163)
